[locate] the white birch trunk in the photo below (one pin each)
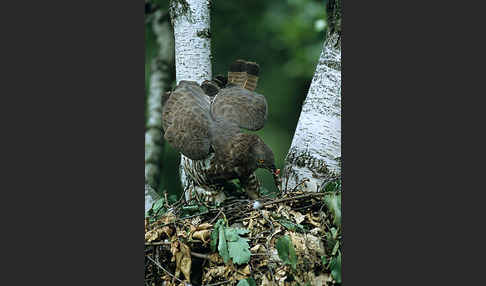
(315, 151)
(191, 21)
(159, 83)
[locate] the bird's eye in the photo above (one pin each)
(260, 161)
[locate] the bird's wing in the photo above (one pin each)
(186, 119)
(245, 108)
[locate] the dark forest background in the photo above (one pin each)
(285, 38)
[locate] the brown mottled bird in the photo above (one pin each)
(203, 123)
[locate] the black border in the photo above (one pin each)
(73, 80)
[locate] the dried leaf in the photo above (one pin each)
(183, 261)
(154, 234)
(315, 231)
(185, 267)
(266, 281)
(298, 241)
(169, 217)
(312, 220)
(246, 270)
(315, 244)
(204, 226)
(214, 257)
(203, 235)
(321, 279)
(298, 217)
(258, 248)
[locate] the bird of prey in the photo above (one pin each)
(204, 123)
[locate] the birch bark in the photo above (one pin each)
(191, 21)
(315, 152)
(160, 79)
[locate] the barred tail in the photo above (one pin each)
(252, 70)
(237, 73)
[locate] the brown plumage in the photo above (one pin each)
(199, 119)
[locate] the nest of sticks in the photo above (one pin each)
(291, 239)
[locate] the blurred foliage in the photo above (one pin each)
(285, 38)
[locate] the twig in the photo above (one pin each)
(169, 243)
(219, 283)
(306, 207)
(195, 254)
(165, 270)
(287, 177)
(191, 216)
(158, 243)
(301, 183)
(220, 211)
(200, 255)
(166, 200)
(295, 198)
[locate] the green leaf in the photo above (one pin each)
(157, 209)
(333, 202)
(158, 205)
(243, 282)
(324, 260)
(335, 266)
(239, 251)
(247, 282)
(333, 187)
(334, 233)
(290, 225)
(230, 244)
(238, 247)
(335, 249)
(193, 210)
(232, 234)
(286, 251)
(203, 209)
(222, 245)
(215, 234)
(264, 192)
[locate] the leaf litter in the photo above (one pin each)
(294, 239)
